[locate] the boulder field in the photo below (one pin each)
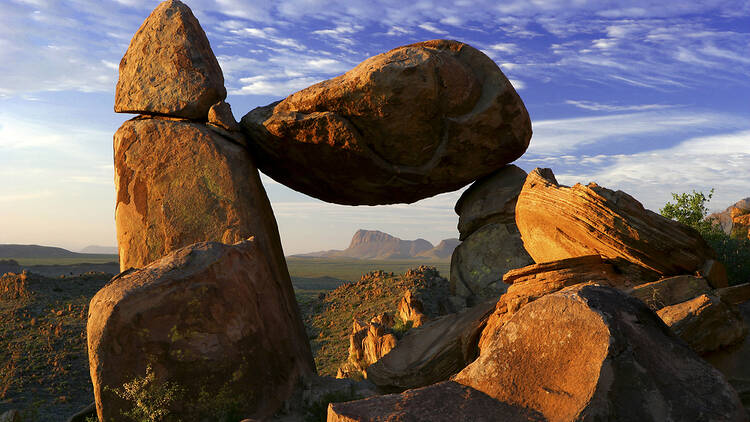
(566, 303)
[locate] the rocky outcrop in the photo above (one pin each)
(705, 323)
(480, 261)
(169, 68)
(593, 353)
(411, 309)
(558, 222)
(368, 342)
(179, 183)
(444, 402)
(491, 243)
(433, 352)
(735, 220)
(207, 319)
(404, 125)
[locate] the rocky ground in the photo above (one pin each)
(44, 366)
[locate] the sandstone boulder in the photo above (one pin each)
(593, 353)
(734, 295)
(558, 222)
(220, 114)
(705, 323)
(491, 199)
(169, 68)
(733, 361)
(211, 320)
(179, 183)
(444, 402)
(480, 261)
(433, 352)
(404, 125)
(670, 291)
(532, 282)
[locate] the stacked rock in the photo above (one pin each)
(220, 323)
(491, 244)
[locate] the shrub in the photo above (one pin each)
(733, 251)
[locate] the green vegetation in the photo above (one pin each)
(732, 250)
(151, 399)
(84, 259)
(351, 269)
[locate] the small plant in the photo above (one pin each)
(734, 252)
(401, 327)
(151, 399)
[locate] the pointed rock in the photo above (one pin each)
(169, 67)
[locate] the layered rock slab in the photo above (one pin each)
(179, 183)
(558, 222)
(169, 67)
(210, 318)
(593, 353)
(404, 125)
(444, 402)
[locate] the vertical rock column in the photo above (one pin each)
(183, 175)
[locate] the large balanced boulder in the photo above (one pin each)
(179, 183)
(593, 353)
(169, 68)
(416, 121)
(210, 322)
(558, 222)
(444, 402)
(433, 352)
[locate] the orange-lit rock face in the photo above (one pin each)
(179, 183)
(169, 67)
(558, 222)
(211, 318)
(592, 353)
(404, 125)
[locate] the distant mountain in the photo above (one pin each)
(109, 250)
(374, 244)
(36, 251)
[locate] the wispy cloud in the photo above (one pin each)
(594, 106)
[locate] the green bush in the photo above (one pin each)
(733, 251)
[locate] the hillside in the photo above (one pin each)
(374, 244)
(35, 251)
(96, 249)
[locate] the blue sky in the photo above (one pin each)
(646, 96)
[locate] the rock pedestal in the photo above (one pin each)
(408, 124)
(210, 320)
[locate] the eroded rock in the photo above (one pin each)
(444, 402)
(558, 222)
(179, 183)
(670, 291)
(593, 353)
(404, 125)
(169, 67)
(213, 321)
(411, 309)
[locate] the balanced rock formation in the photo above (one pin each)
(444, 402)
(416, 121)
(208, 318)
(169, 68)
(433, 352)
(558, 222)
(593, 353)
(491, 242)
(179, 183)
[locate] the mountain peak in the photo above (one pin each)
(375, 244)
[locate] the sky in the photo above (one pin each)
(649, 97)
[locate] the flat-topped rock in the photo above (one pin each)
(408, 124)
(558, 222)
(169, 67)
